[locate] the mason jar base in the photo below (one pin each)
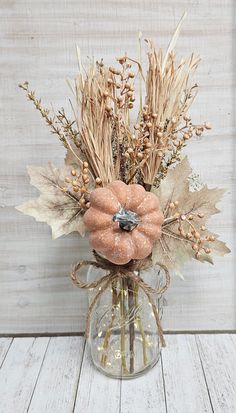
(113, 363)
(124, 337)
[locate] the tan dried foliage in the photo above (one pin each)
(169, 94)
(59, 209)
(102, 146)
(184, 235)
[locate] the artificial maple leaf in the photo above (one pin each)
(60, 209)
(184, 235)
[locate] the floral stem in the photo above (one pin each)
(130, 285)
(122, 333)
(45, 113)
(109, 330)
(140, 326)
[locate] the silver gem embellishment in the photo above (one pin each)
(128, 220)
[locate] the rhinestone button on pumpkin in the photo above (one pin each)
(124, 221)
(128, 220)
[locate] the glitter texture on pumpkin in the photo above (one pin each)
(106, 236)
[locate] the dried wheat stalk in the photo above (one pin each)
(169, 94)
(95, 124)
(104, 138)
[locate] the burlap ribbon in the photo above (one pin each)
(117, 272)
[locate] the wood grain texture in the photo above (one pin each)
(19, 373)
(58, 380)
(38, 44)
(218, 358)
(184, 382)
(96, 392)
(196, 374)
(146, 395)
(5, 344)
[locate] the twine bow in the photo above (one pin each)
(120, 272)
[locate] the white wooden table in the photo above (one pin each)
(197, 373)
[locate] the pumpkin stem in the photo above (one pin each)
(147, 187)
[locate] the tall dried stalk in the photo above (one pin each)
(104, 139)
(169, 94)
(95, 123)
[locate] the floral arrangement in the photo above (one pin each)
(127, 183)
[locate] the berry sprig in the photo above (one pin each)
(189, 229)
(78, 183)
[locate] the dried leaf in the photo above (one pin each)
(174, 39)
(61, 210)
(186, 213)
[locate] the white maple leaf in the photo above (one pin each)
(174, 249)
(60, 210)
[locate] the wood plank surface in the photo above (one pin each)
(142, 394)
(19, 373)
(218, 355)
(196, 374)
(184, 381)
(5, 344)
(96, 392)
(58, 380)
(37, 40)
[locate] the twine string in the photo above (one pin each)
(116, 272)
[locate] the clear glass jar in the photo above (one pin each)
(124, 339)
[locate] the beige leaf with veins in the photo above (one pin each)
(184, 224)
(60, 210)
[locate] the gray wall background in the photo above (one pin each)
(38, 41)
